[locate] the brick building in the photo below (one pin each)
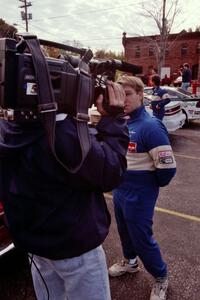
(182, 47)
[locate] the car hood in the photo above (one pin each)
(173, 104)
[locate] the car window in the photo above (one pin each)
(173, 94)
(186, 93)
(146, 101)
(148, 91)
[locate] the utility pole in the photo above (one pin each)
(24, 14)
(163, 39)
(163, 18)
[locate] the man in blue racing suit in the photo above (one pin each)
(151, 165)
(159, 98)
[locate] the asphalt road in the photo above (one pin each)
(176, 228)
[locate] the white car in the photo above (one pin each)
(190, 103)
(174, 117)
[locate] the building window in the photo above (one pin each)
(151, 51)
(184, 49)
(198, 48)
(137, 51)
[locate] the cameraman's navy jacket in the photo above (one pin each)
(51, 212)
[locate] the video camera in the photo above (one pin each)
(71, 81)
(34, 88)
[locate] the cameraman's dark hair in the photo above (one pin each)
(156, 80)
(186, 65)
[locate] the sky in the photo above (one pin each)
(96, 24)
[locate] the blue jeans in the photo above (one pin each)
(185, 85)
(80, 278)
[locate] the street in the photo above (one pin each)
(176, 228)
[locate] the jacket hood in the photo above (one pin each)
(14, 136)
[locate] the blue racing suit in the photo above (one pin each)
(160, 98)
(151, 164)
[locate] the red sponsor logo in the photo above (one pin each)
(132, 147)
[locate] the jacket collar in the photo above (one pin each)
(136, 113)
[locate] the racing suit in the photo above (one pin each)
(159, 99)
(151, 165)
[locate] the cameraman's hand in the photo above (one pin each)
(116, 99)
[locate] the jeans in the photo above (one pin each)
(185, 85)
(80, 278)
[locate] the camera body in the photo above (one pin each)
(19, 89)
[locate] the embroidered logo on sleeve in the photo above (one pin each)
(165, 157)
(132, 147)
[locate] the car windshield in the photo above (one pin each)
(184, 92)
(174, 93)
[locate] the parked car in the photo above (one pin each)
(190, 103)
(174, 117)
(5, 239)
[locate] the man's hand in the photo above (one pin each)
(116, 100)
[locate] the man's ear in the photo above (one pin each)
(141, 95)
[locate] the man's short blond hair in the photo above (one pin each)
(135, 82)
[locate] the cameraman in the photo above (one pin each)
(59, 218)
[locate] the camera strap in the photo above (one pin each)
(47, 105)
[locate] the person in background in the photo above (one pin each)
(166, 80)
(159, 98)
(151, 165)
(153, 72)
(58, 217)
(186, 77)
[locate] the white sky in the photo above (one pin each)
(97, 24)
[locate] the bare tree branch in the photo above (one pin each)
(163, 16)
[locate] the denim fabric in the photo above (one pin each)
(80, 278)
(185, 85)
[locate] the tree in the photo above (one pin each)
(197, 29)
(102, 54)
(164, 17)
(7, 30)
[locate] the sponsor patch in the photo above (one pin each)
(165, 153)
(165, 157)
(132, 147)
(31, 88)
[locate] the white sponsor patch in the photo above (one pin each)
(31, 88)
(165, 157)
(165, 153)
